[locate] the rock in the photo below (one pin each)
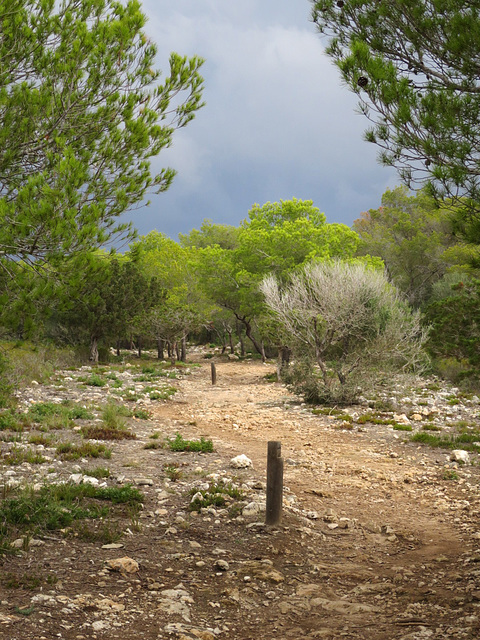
(194, 544)
(143, 482)
(387, 530)
(112, 545)
(106, 604)
(329, 516)
(342, 606)
(251, 509)
(222, 565)
(241, 462)
(123, 565)
(458, 455)
(263, 570)
(176, 601)
(185, 632)
(373, 587)
(5, 619)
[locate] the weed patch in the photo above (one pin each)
(466, 441)
(172, 472)
(402, 427)
(95, 381)
(180, 444)
(9, 420)
(374, 419)
(19, 455)
(216, 495)
(98, 472)
(332, 411)
(142, 414)
(70, 451)
(58, 506)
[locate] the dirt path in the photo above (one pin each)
(376, 542)
(406, 527)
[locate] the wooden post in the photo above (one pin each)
(274, 483)
(214, 373)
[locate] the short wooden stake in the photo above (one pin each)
(214, 373)
(274, 483)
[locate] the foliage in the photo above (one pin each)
(414, 65)
(455, 322)
(105, 301)
(43, 412)
(412, 235)
(276, 238)
(22, 362)
(210, 235)
(183, 308)
(345, 321)
(82, 115)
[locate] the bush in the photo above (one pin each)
(346, 326)
(20, 363)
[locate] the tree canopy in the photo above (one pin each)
(415, 66)
(81, 116)
(277, 237)
(413, 236)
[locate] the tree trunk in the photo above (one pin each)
(173, 349)
(240, 338)
(160, 348)
(118, 348)
(94, 350)
(183, 357)
(258, 345)
(230, 340)
(139, 346)
(284, 354)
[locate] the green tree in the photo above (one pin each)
(455, 330)
(82, 114)
(415, 66)
(210, 234)
(183, 308)
(104, 304)
(276, 238)
(412, 235)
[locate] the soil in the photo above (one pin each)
(378, 538)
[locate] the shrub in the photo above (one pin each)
(346, 325)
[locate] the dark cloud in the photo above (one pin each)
(278, 123)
